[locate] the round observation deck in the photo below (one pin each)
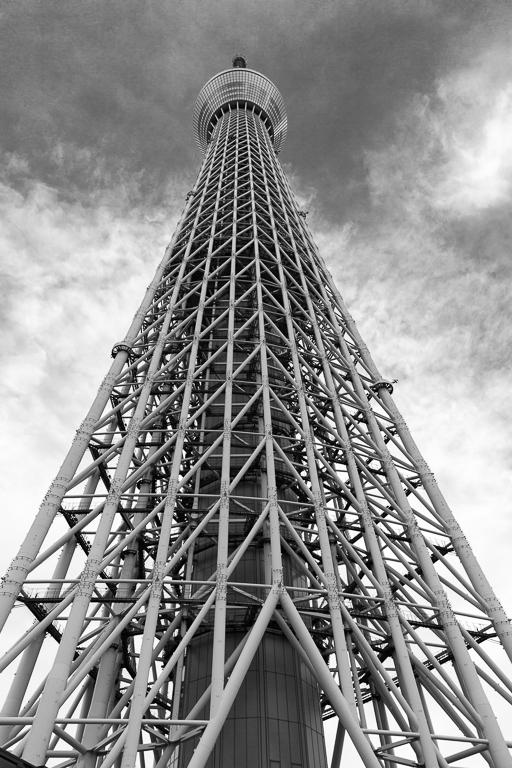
(239, 87)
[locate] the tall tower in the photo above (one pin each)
(244, 540)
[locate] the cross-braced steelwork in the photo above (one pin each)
(244, 539)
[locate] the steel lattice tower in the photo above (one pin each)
(244, 539)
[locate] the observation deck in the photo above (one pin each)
(235, 88)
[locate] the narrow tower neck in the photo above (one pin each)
(235, 88)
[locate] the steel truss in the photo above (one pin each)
(243, 474)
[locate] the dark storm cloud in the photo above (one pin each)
(106, 76)
(121, 77)
(362, 68)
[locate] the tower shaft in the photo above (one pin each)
(244, 540)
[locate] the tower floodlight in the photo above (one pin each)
(244, 539)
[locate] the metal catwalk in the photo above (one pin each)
(244, 540)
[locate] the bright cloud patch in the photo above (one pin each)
(70, 269)
(453, 149)
(479, 168)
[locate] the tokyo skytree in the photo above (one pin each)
(244, 542)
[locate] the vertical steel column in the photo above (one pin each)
(219, 629)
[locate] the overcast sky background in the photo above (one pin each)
(399, 145)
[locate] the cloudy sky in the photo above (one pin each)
(399, 145)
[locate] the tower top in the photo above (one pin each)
(239, 88)
(240, 61)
